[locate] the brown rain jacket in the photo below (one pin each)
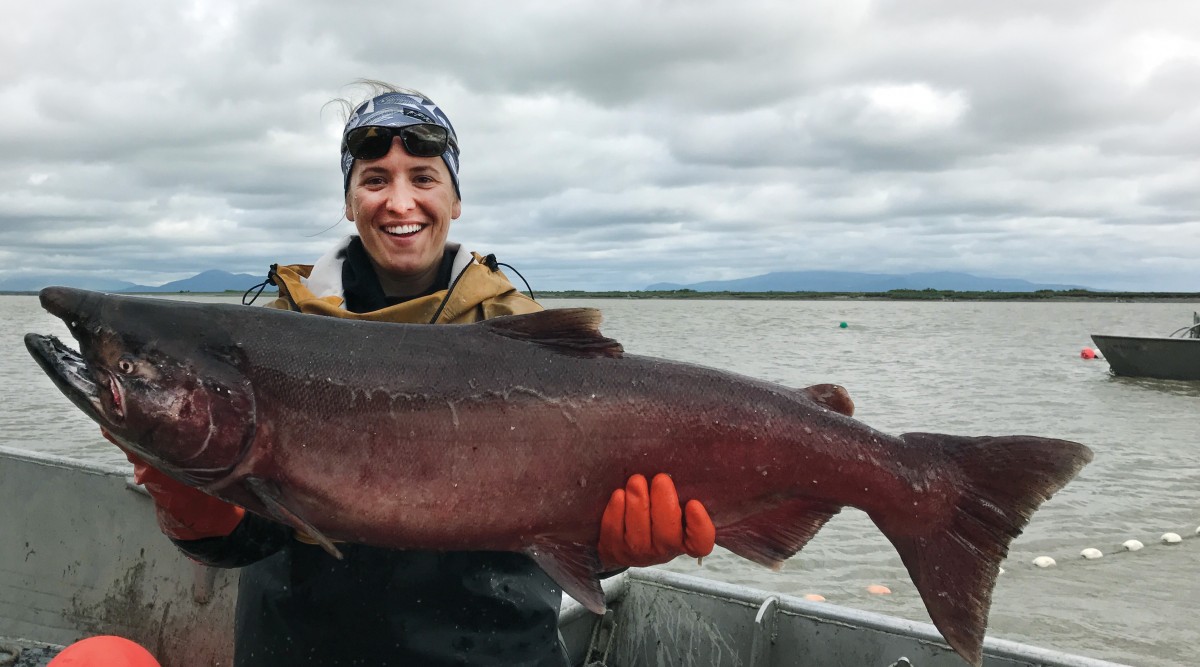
(480, 294)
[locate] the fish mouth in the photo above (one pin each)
(69, 371)
(82, 383)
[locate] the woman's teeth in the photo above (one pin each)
(401, 230)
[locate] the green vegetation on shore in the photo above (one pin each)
(892, 295)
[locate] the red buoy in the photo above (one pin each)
(1087, 353)
(104, 650)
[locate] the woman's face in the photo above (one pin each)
(402, 206)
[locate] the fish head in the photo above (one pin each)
(157, 375)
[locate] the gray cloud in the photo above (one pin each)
(616, 146)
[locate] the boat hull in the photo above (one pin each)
(1151, 357)
(82, 555)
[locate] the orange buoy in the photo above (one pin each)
(813, 597)
(104, 650)
(1087, 353)
(878, 589)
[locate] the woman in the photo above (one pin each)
(297, 605)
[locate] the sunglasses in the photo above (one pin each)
(372, 142)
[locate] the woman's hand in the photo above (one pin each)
(184, 513)
(644, 526)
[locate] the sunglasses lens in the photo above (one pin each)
(424, 140)
(372, 143)
(369, 143)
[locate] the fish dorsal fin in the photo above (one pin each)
(572, 566)
(574, 331)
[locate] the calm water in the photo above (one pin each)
(963, 368)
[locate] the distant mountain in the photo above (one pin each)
(845, 281)
(208, 281)
(35, 282)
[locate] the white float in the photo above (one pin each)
(1044, 561)
(1091, 554)
(1132, 545)
(1171, 538)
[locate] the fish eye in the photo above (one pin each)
(125, 365)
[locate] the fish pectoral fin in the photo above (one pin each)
(776, 534)
(574, 567)
(573, 331)
(269, 494)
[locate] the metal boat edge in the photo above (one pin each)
(82, 555)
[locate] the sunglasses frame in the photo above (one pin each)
(406, 133)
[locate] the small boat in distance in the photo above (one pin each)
(1173, 357)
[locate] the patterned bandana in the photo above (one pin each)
(398, 110)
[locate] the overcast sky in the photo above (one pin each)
(616, 144)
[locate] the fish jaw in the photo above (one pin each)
(69, 372)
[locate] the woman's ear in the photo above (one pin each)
(349, 209)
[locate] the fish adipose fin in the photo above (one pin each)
(574, 331)
(774, 535)
(269, 495)
(954, 564)
(832, 396)
(574, 567)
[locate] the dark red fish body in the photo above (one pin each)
(511, 434)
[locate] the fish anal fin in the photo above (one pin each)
(832, 396)
(776, 534)
(574, 567)
(269, 495)
(573, 331)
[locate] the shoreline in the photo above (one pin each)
(1043, 296)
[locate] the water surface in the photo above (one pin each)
(952, 367)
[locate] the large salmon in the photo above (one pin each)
(510, 435)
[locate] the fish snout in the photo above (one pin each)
(63, 301)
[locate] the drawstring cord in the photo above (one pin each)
(449, 291)
(491, 263)
(260, 287)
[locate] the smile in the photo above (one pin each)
(403, 230)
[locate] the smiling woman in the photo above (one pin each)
(304, 601)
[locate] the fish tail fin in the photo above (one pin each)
(954, 564)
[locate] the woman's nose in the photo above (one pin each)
(401, 198)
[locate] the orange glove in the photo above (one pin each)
(643, 527)
(184, 513)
